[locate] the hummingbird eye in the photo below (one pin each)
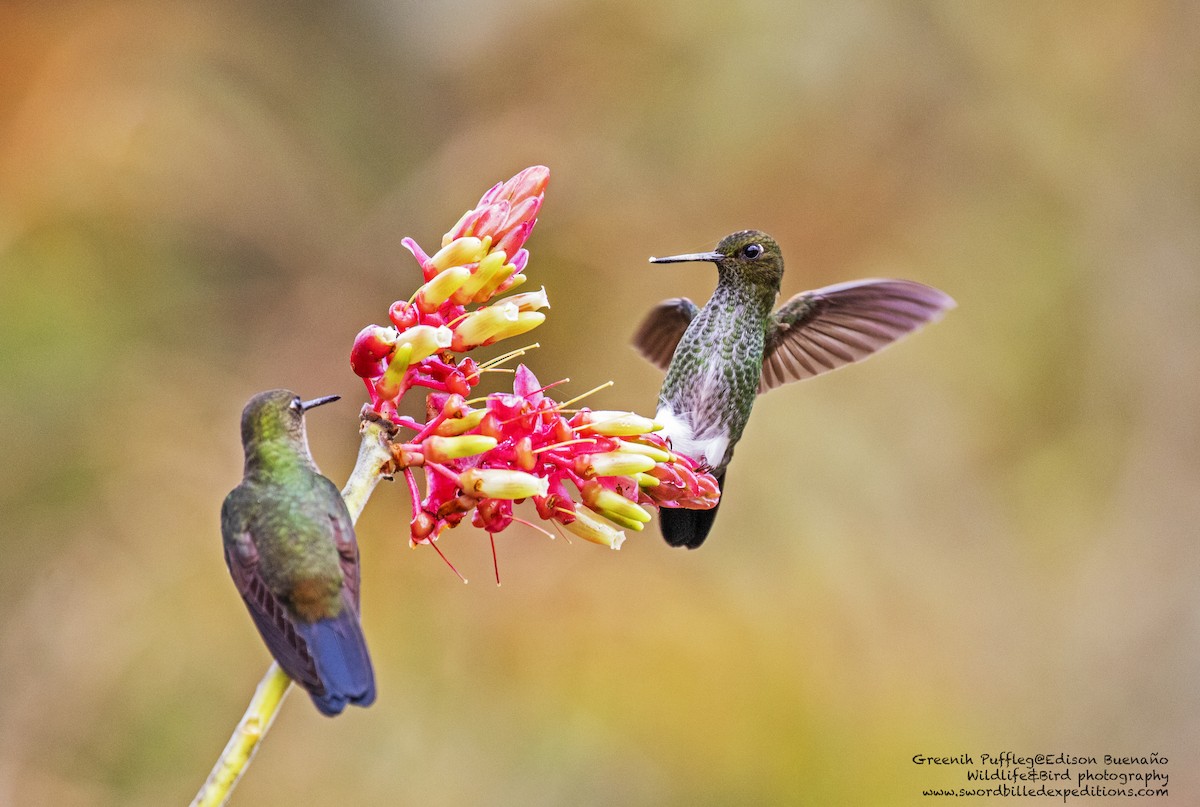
(296, 405)
(752, 251)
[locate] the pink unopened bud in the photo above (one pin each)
(371, 348)
(513, 239)
(403, 315)
(491, 425)
(526, 459)
(454, 406)
(464, 226)
(668, 475)
(522, 212)
(491, 219)
(493, 193)
(530, 182)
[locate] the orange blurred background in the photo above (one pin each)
(984, 540)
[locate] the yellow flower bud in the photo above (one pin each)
(501, 483)
(620, 424)
(449, 236)
(425, 340)
(511, 283)
(613, 505)
(525, 321)
(441, 449)
(483, 274)
(612, 463)
(467, 249)
(498, 276)
(653, 452)
(441, 288)
(627, 523)
(593, 529)
(452, 426)
(388, 385)
(478, 326)
(491, 324)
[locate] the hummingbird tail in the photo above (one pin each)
(339, 650)
(681, 527)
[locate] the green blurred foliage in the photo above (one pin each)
(984, 540)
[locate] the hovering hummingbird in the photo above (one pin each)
(290, 546)
(719, 357)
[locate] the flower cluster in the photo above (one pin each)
(481, 256)
(592, 473)
(523, 445)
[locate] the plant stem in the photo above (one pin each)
(374, 462)
(254, 725)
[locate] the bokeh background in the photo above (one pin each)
(984, 540)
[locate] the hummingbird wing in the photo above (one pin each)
(660, 332)
(821, 330)
(270, 617)
(344, 540)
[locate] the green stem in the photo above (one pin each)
(374, 462)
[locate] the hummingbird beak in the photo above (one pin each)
(304, 407)
(714, 257)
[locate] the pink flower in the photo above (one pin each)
(525, 447)
(590, 473)
(480, 257)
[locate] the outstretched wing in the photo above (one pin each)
(821, 330)
(660, 332)
(270, 617)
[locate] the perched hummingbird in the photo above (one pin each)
(719, 357)
(290, 546)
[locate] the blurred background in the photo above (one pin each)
(982, 541)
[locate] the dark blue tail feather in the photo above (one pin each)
(339, 650)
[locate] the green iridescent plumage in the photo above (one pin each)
(290, 547)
